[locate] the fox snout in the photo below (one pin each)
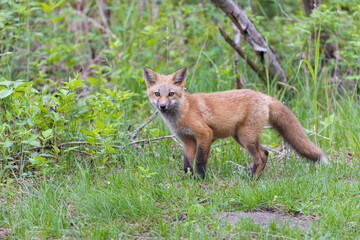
(164, 106)
(164, 103)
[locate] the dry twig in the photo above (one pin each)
(144, 124)
(96, 24)
(253, 66)
(98, 144)
(149, 140)
(198, 59)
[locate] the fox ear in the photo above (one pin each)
(180, 76)
(149, 75)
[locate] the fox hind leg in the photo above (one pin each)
(249, 137)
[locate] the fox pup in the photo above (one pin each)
(199, 119)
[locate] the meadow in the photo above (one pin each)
(72, 95)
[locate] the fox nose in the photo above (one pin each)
(162, 107)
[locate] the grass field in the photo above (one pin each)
(158, 201)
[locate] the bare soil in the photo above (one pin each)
(267, 215)
(4, 231)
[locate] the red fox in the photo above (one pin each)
(199, 119)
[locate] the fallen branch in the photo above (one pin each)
(98, 144)
(149, 140)
(175, 140)
(318, 135)
(253, 37)
(51, 146)
(253, 66)
(144, 124)
(272, 150)
(83, 152)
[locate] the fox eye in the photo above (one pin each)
(171, 94)
(157, 94)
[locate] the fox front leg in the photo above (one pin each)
(201, 160)
(203, 152)
(189, 146)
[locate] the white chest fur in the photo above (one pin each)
(173, 123)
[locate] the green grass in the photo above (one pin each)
(159, 201)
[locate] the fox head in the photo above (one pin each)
(165, 91)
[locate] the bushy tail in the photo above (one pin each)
(289, 127)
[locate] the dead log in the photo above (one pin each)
(253, 37)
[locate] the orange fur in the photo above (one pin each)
(200, 118)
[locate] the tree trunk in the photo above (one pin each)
(330, 48)
(310, 5)
(252, 36)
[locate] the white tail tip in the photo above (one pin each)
(324, 159)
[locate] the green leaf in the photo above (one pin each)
(74, 84)
(310, 68)
(317, 55)
(71, 148)
(35, 143)
(37, 160)
(5, 53)
(6, 83)
(56, 149)
(89, 150)
(155, 131)
(46, 7)
(40, 158)
(92, 80)
(32, 141)
(64, 92)
(19, 84)
(108, 147)
(109, 92)
(143, 169)
(58, 18)
(58, 4)
(195, 209)
(5, 93)
(47, 133)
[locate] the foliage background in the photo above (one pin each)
(72, 93)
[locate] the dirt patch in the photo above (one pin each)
(267, 215)
(2, 201)
(4, 232)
